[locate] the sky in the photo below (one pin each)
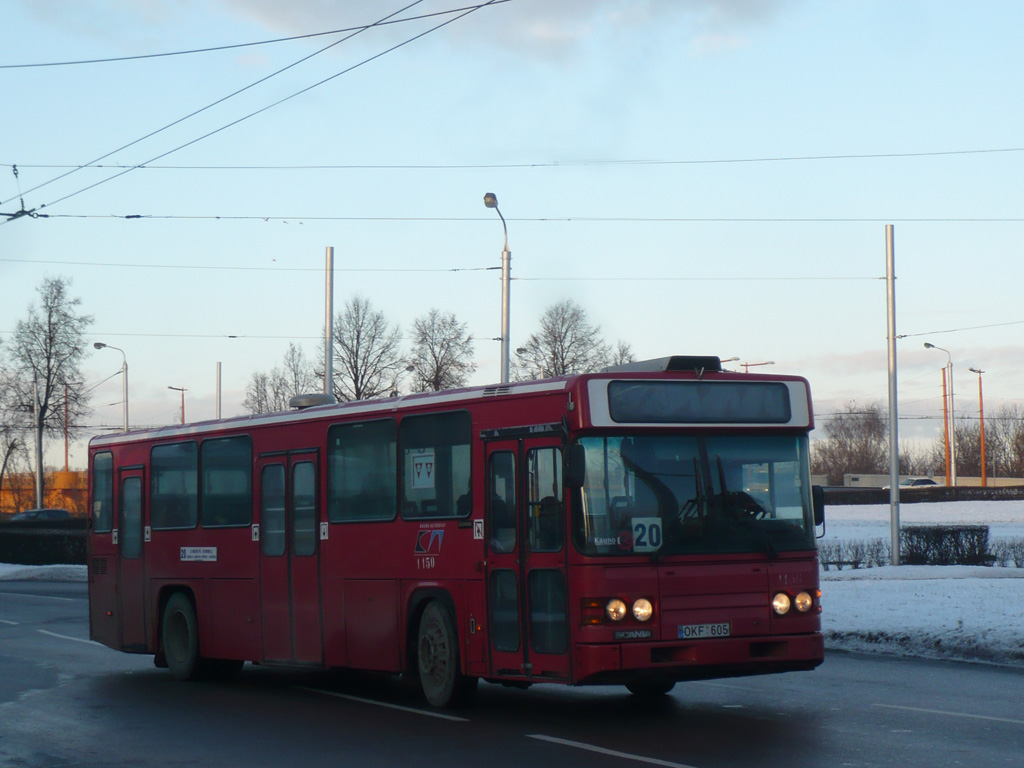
(701, 176)
(951, 612)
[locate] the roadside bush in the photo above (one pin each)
(1009, 550)
(945, 545)
(43, 542)
(855, 554)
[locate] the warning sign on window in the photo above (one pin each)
(423, 470)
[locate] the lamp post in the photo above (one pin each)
(183, 391)
(981, 414)
(748, 366)
(124, 376)
(951, 424)
(491, 201)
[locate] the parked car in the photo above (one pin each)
(42, 514)
(913, 482)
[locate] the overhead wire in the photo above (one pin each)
(560, 219)
(203, 109)
(217, 48)
(542, 164)
(233, 123)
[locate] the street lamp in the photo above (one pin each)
(981, 413)
(951, 423)
(124, 376)
(748, 366)
(491, 201)
(183, 391)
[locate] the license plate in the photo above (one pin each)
(698, 631)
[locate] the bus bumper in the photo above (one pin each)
(696, 660)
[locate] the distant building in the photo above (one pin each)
(66, 490)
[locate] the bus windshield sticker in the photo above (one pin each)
(423, 470)
(646, 534)
(198, 554)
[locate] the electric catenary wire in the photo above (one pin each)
(214, 49)
(208, 106)
(345, 71)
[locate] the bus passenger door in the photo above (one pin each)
(289, 558)
(131, 565)
(526, 586)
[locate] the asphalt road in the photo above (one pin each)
(67, 702)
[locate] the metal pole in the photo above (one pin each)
(329, 325)
(218, 391)
(945, 423)
(39, 448)
(124, 385)
(506, 268)
(952, 425)
(491, 201)
(894, 454)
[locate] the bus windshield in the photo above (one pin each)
(662, 495)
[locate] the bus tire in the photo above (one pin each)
(437, 656)
(179, 635)
(651, 689)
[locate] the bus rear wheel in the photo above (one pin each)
(437, 654)
(180, 638)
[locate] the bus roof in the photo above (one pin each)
(684, 367)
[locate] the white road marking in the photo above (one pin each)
(12, 623)
(953, 714)
(612, 752)
(361, 700)
(66, 637)
(40, 597)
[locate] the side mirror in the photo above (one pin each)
(577, 470)
(818, 504)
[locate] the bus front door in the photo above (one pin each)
(526, 562)
(289, 558)
(131, 564)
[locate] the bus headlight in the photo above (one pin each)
(804, 602)
(643, 610)
(781, 603)
(616, 610)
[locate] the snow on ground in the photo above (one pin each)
(951, 612)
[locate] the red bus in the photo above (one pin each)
(646, 525)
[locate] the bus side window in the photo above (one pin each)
(103, 492)
(502, 502)
(272, 510)
(544, 479)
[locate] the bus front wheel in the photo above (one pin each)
(180, 638)
(437, 653)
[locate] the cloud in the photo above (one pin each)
(533, 27)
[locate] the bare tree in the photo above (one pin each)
(856, 441)
(13, 429)
(1004, 442)
(442, 353)
(268, 392)
(622, 354)
(43, 378)
(367, 355)
(566, 343)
